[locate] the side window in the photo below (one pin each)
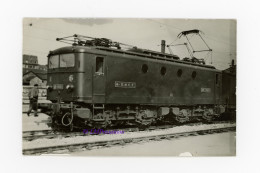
(100, 65)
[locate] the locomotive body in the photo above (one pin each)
(93, 86)
(104, 77)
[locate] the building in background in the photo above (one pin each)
(33, 73)
(31, 78)
(30, 63)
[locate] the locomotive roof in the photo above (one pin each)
(134, 52)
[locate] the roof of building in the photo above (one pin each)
(36, 71)
(42, 76)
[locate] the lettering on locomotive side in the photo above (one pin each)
(120, 84)
(205, 90)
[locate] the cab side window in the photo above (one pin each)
(100, 65)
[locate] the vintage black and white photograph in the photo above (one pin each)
(129, 87)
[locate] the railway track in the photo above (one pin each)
(114, 142)
(50, 134)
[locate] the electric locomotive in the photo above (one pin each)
(95, 83)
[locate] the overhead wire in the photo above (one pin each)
(209, 37)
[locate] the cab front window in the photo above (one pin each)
(54, 61)
(67, 60)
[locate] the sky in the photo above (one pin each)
(39, 35)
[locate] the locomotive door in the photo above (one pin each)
(98, 89)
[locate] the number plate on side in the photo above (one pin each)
(120, 84)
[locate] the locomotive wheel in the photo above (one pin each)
(100, 125)
(207, 117)
(142, 127)
(143, 123)
(181, 119)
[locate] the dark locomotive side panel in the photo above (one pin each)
(136, 80)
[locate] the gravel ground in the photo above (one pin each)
(223, 144)
(79, 139)
(35, 123)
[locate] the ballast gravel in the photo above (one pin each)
(38, 143)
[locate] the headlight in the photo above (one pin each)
(70, 87)
(49, 87)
